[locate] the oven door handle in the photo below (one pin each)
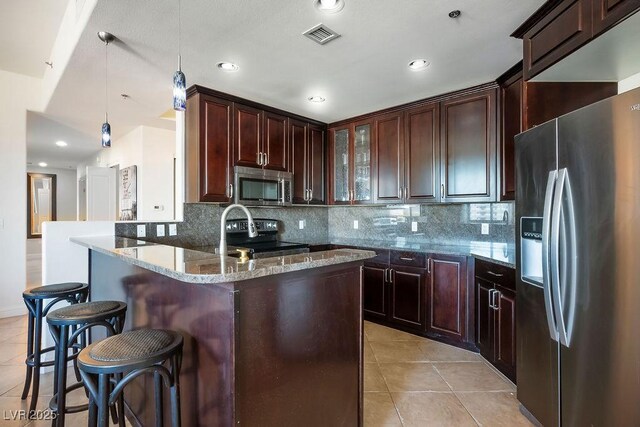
(282, 191)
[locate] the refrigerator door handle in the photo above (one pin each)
(546, 270)
(558, 296)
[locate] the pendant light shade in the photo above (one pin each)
(179, 91)
(106, 135)
(179, 80)
(106, 127)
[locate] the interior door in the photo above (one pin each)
(101, 194)
(597, 232)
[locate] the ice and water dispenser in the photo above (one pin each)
(531, 250)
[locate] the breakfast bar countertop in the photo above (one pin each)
(193, 266)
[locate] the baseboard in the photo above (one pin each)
(17, 310)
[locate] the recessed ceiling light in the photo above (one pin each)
(61, 144)
(418, 64)
(228, 66)
(454, 14)
(42, 164)
(316, 98)
(329, 6)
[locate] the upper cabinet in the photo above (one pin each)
(224, 131)
(209, 149)
(468, 146)
(560, 27)
(308, 149)
(350, 163)
(424, 153)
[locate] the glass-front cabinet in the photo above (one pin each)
(351, 163)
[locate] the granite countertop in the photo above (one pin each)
(499, 253)
(193, 266)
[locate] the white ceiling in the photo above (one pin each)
(362, 71)
(28, 29)
(42, 134)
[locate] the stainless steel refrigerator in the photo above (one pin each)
(578, 266)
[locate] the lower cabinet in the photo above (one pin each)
(496, 315)
(448, 297)
(374, 291)
(408, 291)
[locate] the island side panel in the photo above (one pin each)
(203, 314)
(299, 348)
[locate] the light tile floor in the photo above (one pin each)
(409, 381)
(414, 381)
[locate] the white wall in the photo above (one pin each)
(18, 93)
(152, 150)
(629, 83)
(66, 191)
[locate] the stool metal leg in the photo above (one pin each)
(120, 404)
(175, 392)
(93, 412)
(61, 375)
(157, 381)
(103, 400)
(37, 347)
(27, 380)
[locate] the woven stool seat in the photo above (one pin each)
(84, 310)
(132, 345)
(50, 291)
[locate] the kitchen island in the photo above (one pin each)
(269, 342)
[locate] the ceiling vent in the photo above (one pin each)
(321, 34)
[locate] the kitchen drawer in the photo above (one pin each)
(381, 258)
(410, 259)
(496, 273)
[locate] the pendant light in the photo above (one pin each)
(179, 80)
(106, 127)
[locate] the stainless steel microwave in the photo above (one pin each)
(262, 187)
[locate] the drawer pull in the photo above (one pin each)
(494, 274)
(406, 259)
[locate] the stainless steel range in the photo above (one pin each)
(265, 245)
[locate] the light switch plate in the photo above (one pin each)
(355, 224)
(173, 229)
(141, 230)
(302, 224)
(485, 229)
(414, 226)
(160, 230)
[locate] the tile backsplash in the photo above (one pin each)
(442, 224)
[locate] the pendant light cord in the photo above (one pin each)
(106, 80)
(179, 35)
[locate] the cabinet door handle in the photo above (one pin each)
(442, 191)
(494, 274)
(266, 159)
(493, 304)
(386, 275)
(231, 191)
(310, 194)
(406, 193)
(259, 158)
(429, 266)
(406, 258)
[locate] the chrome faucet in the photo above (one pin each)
(253, 232)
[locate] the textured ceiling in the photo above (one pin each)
(362, 71)
(28, 29)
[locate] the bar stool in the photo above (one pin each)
(68, 325)
(34, 298)
(131, 354)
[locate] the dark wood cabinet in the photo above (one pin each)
(308, 153)
(496, 315)
(560, 27)
(512, 124)
(448, 297)
(374, 290)
(408, 296)
(468, 147)
(275, 147)
(209, 147)
(607, 13)
(389, 152)
(422, 157)
(248, 135)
